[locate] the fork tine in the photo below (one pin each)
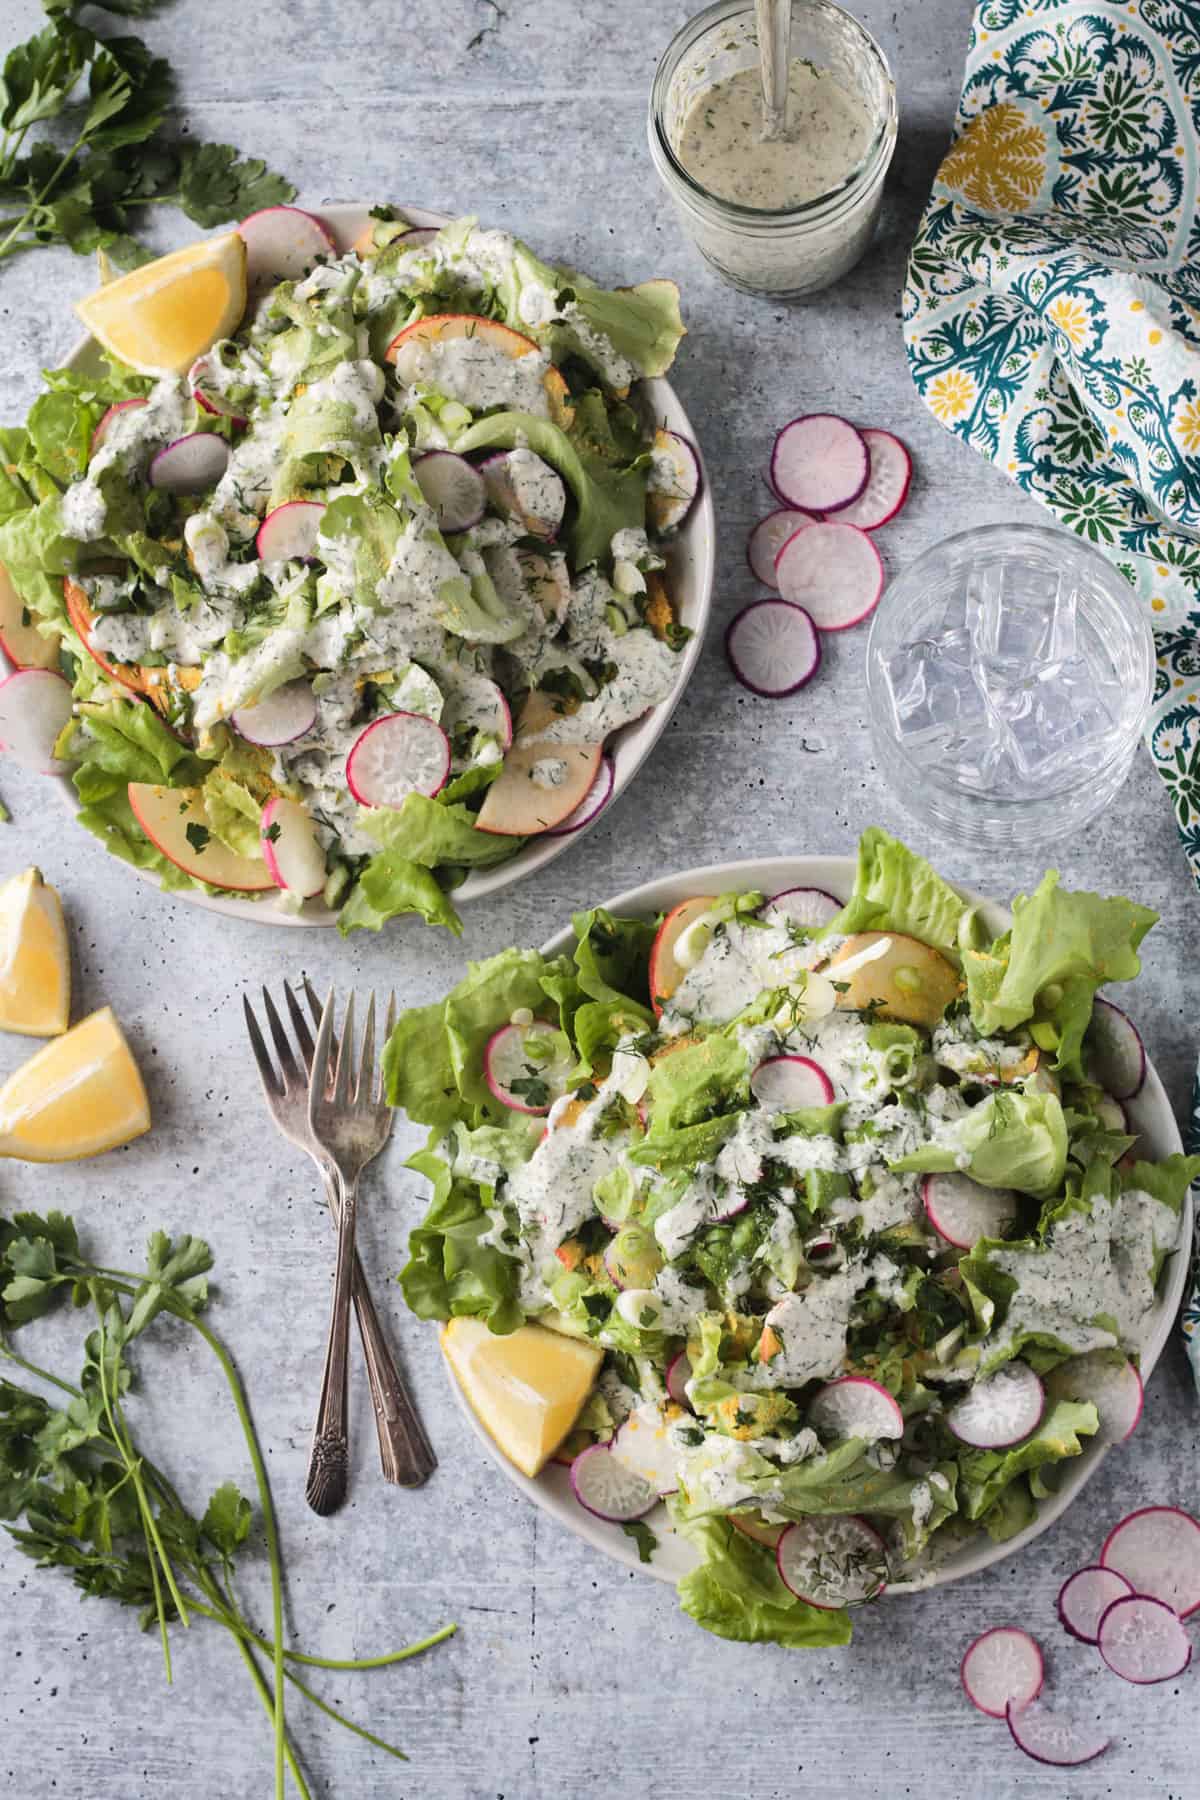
(364, 1087)
(341, 1084)
(304, 1036)
(318, 1080)
(389, 1025)
(262, 1056)
(314, 1005)
(283, 1046)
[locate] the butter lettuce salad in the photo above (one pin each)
(354, 606)
(840, 1196)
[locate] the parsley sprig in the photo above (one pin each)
(96, 1506)
(108, 98)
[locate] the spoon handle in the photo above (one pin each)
(774, 19)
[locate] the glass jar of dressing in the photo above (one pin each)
(788, 216)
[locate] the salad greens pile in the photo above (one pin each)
(95, 1505)
(672, 1206)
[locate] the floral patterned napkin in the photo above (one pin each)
(1052, 310)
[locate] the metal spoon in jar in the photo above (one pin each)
(774, 20)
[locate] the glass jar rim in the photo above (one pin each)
(766, 216)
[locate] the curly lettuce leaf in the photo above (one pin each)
(427, 832)
(736, 1593)
(984, 1474)
(896, 890)
(1010, 1140)
(700, 1078)
(450, 1271)
(612, 957)
(391, 885)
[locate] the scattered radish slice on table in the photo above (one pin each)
(191, 464)
(1003, 1667)
(521, 1078)
(289, 532)
(782, 1082)
(453, 487)
(887, 483)
(1157, 1550)
(676, 465)
(1114, 1052)
(1049, 1738)
(1114, 1389)
(109, 420)
(773, 648)
(1143, 1640)
(282, 244)
(608, 1489)
(820, 463)
(282, 717)
(833, 1561)
(833, 571)
(403, 753)
(853, 1406)
(291, 849)
(1000, 1410)
(1085, 1597)
(35, 708)
(803, 906)
(768, 538)
(963, 1211)
(593, 802)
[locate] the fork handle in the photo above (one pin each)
(329, 1459)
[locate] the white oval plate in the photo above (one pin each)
(1150, 1114)
(690, 564)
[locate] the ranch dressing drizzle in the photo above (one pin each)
(722, 146)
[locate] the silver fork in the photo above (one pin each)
(405, 1453)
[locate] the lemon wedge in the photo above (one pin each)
(161, 317)
(525, 1389)
(35, 965)
(76, 1097)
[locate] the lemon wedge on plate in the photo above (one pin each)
(75, 1097)
(161, 317)
(525, 1389)
(35, 964)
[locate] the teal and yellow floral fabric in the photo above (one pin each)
(1052, 305)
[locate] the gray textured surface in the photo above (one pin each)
(569, 1677)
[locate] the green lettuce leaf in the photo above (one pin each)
(417, 1068)
(391, 885)
(700, 1078)
(736, 1593)
(426, 832)
(896, 890)
(984, 1474)
(612, 957)
(1011, 1140)
(450, 1272)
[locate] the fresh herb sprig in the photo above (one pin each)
(96, 1506)
(106, 157)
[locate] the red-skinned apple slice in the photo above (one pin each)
(516, 805)
(165, 815)
(22, 643)
(665, 972)
(426, 333)
(150, 682)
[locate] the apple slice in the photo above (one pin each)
(176, 823)
(908, 981)
(517, 805)
(153, 683)
(22, 643)
(665, 973)
(426, 334)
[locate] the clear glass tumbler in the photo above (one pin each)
(797, 250)
(1010, 670)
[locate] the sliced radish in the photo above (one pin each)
(780, 1083)
(736, 1201)
(1112, 1115)
(679, 1373)
(773, 648)
(282, 244)
(279, 719)
(521, 484)
(35, 708)
(674, 481)
(291, 849)
(1084, 1598)
(1049, 1738)
(833, 571)
(209, 400)
(594, 801)
(608, 1489)
(289, 532)
(887, 484)
(820, 463)
(1143, 1640)
(20, 639)
(190, 465)
(1113, 1388)
(1003, 1667)
(1157, 1550)
(111, 416)
(453, 487)
(507, 1059)
(963, 1211)
(803, 906)
(417, 237)
(1001, 1410)
(832, 1562)
(403, 753)
(644, 1445)
(768, 538)
(855, 1407)
(1116, 1055)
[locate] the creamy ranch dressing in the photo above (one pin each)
(722, 146)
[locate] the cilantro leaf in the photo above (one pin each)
(643, 1537)
(217, 183)
(175, 1273)
(226, 1521)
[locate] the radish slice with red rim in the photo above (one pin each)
(1003, 1667)
(887, 483)
(525, 1079)
(1114, 1051)
(109, 420)
(768, 538)
(281, 718)
(820, 462)
(289, 532)
(1143, 1640)
(674, 481)
(679, 1373)
(593, 802)
(780, 1083)
(1049, 1738)
(191, 465)
(282, 244)
(453, 487)
(812, 907)
(1001, 1410)
(403, 753)
(1085, 1597)
(963, 1211)
(773, 648)
(291, 849)
(643, 1444)
(833, 571)
(833, 1561)
(35, 709)
(1157, 1550)
(418, 237)
(608, 1488)
(853, 1406)
(207, 397)
(1114, 1388)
